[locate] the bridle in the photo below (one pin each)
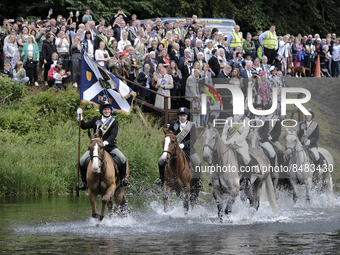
(102, 160)
(173, 150)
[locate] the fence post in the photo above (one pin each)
(166, 108)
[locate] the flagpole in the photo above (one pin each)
(79, 132)
(79, 116)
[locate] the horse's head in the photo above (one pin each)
(291, 142)
(170, 145)
(97, 152)
(209, 143)
(253, 138)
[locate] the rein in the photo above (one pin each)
(174, 177)
(103, 160)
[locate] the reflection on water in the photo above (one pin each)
(62, 225)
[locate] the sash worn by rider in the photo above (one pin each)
(309, 131)
(180, 136)
(232, 130)
(106, 43)
(106, 125)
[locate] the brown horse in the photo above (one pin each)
(177, 175)
(102, 179)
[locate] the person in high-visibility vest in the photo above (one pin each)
(268, 41)
(235, 38)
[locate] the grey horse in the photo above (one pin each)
(302, 170)
(224, 174)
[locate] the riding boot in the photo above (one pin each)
(280, 158)
(272, 161)
(83, 178)
(125, 181)
(161, 175)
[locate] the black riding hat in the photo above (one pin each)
(105, 104)
(183, 110)
(312, 112)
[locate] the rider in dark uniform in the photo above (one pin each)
(308, 135)
(186, 138)
(109, 127)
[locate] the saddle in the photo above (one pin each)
(311, 155)
(116, 162)
(254, 164)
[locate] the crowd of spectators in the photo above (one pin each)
(174, 59)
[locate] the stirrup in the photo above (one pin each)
(159, 182)
(125, 183)
(83, 186)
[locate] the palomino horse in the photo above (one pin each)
(102, 179)
(302, 170)
(177, 175)
(253, 139)
(227, 181)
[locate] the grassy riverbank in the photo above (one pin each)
(39, 143)
(39, 139)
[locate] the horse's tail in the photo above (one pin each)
(271, 194)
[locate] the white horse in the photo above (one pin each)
(253, 140)
(226, 180)
(302, 170)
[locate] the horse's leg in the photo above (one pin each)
(120, 203)
(234, 191)
(166, 192)
(293, 183)
(109, 206)
(219, 202)
(308, 189)
(275, 179)
(256, 187)
(106, 198)
(327, 185)
(249, 192)
(186, 200)
(93, 201)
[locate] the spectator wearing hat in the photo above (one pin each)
(119, 66)
(191, 33)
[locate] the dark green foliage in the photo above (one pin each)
(306, 17)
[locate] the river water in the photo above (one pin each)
(62, 225)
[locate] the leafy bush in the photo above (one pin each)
(8, 87)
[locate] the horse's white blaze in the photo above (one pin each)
(166, 147)
(95, 165)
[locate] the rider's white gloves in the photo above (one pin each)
(181, 145)
(106, 143)
(79, 111)
(307, 142)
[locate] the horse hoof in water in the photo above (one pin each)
(95, 215)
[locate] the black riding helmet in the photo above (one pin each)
(312, 112)
(105, 104)
(183, 110)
